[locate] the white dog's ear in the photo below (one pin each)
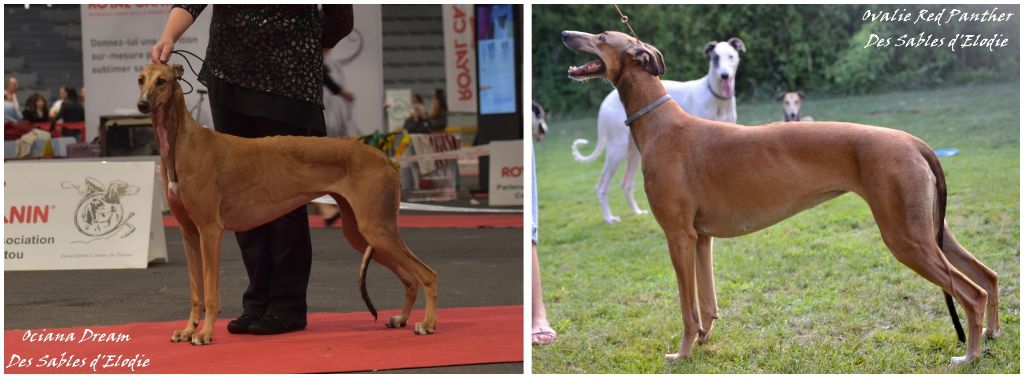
(178, 70)
(709, 47)
(737, 44)
(649, 57)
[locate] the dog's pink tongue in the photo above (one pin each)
(727, 86)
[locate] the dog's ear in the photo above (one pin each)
(737, 44)
(178, 70)
(779, 96)
(801, 94)
(649, 57)
(709, 47)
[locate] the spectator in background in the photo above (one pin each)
(12, 89)
(36, 109)
(70, 109)
(438, 120)
(417, 121)
(81, 96)
(61, 95)
(11, 113)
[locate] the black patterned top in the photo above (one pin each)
(272, 48)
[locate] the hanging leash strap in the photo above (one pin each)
(189, 62)
(647, 109)
(625, 20)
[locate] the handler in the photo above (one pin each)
(264, 71)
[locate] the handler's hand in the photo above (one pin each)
(161, 51)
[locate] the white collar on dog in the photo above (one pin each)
(647, 109)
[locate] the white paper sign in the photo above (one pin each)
(399, 103)
(116, 39)
(459, 57)
(506, 173)
(81, 215)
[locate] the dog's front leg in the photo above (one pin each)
(706, 288)
(193, 255)
(209, 239)
(682, 248)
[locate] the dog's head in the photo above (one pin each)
(725, 60)
(540, 124)
(616, 53)
(158, 85)
(791, 105)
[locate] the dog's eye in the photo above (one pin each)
(160, 81)
(141, 80)
(600, 38)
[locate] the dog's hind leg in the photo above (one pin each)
(350, 227)
(980, 274)
(193, 256)
(613, 157)
(903, 209)
(397, 257)
(632, 163)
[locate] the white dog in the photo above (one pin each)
(710, 97)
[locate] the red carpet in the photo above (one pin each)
(331, 343)
(424, 221)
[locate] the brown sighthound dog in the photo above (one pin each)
(709, 179)
(215, 182)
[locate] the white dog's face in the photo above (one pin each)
(791, 105)
(725, 61)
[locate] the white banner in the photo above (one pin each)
(506, 173)
(116, 39)
(81, 215)
(459, 57)
(357, 64)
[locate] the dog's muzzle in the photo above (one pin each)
(143, 106)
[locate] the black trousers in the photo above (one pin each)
(277, 255)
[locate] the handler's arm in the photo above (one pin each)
(177, 23)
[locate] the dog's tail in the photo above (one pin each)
(940, 204)
(362, 281)
(593, 155)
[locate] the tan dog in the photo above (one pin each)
(791, 107)
(708, 179)
(216, 182)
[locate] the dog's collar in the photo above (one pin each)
(647, 109)
(720, 97)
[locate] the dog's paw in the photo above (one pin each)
(420, 329)
(612, 219)
(182, 335)
(640, 212)
(675, 357)
(202, 339)
(990, 333)
(397, 321)
(958, 361)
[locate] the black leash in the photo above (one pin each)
(189, 62)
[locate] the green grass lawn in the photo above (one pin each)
(817, 293)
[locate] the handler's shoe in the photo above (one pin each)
(242, 324)
(273, 325)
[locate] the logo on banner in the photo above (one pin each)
(100, 213)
